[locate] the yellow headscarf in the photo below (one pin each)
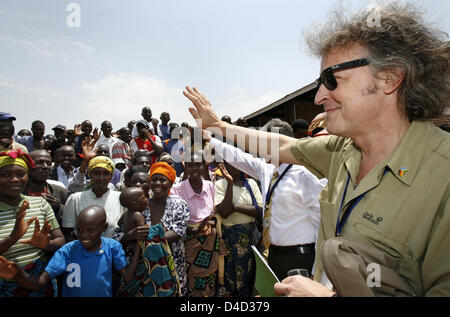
(103, 162)
(16, 157)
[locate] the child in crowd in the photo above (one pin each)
(135, 200)
(87, 262)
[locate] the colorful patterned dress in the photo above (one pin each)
(175, 218)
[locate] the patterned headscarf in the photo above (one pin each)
(16, 157)
(164, 169)
(103, 162)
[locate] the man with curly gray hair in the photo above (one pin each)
(386, 208)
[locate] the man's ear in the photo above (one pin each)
(105, 226)
(393, 78)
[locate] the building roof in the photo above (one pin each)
(282, 100)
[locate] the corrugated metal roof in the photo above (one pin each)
(282, 100)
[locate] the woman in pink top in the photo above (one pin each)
(204, 246)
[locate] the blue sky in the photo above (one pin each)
(243, 54)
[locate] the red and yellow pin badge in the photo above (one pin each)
(402, 171)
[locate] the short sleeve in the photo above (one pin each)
(59, 261)
(118, 255)
(49, 214)
(158, 140)
(316, 153)
(134, 146)
(69, 218)
(179, 216)
(219, 191)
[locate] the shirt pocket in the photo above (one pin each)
(383, 241)
(403, 262)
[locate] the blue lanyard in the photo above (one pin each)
(272, 188)
(348, 211)
(252, 195)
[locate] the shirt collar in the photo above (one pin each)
(99, 251)
(407, 158)
(6, 207)
(103, 196)
(404, 162)
(190, 192)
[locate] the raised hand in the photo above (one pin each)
(87, 146)
(225, 173)
(40, 238)
(8, 269)
(21, 226)
(203, 113)
(96, 134)
(77, 130)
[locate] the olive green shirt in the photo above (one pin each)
(405, 212)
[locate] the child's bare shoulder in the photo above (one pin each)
(138, 218)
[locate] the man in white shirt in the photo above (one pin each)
(147, 115)
(64, 170)
(295, 210)
(106, 137)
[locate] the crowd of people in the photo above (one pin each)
(126, 186)
(145, 211)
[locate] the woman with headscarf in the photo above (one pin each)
(100, 171)
(171, 211)
(19, 241)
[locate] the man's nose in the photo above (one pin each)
(322, 95)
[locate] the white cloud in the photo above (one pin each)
(57, 47)
(22, 15)
(240, 103)
(120, 98)
(41, 93)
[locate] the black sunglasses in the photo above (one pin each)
(327, 76)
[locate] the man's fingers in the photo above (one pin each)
(199, 95)
(191, 97)
(194, 114)
(280, 289)
(205, 100)
(195, 97)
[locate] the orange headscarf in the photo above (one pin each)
(164, 169)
